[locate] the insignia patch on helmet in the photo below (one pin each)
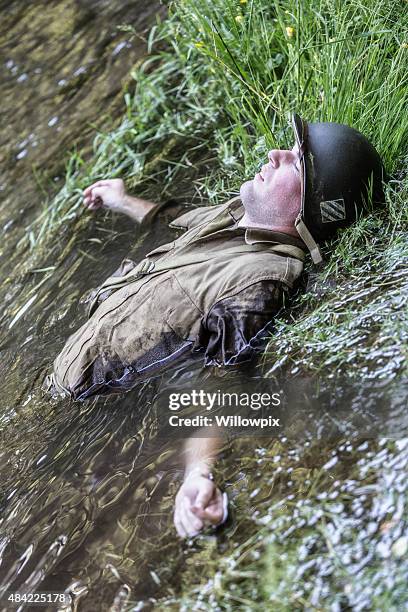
(333, 210)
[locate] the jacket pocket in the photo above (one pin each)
(182, 315)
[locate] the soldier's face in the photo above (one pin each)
(272, 198)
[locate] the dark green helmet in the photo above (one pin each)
(341, 173)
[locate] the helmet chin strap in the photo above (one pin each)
(308, 239)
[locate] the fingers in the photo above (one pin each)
(186, 523)
(98, 192)
(216, 512)
(91, 202)
(93, 195)
(213, 514)
(177, 517)
(95, 204)
(197, 505)
(178, 524)
(117, 183)
(191, 523)
(88, 190)
(203, 497)
(94, 199)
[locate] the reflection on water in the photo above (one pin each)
(94, 509)
(63, 65)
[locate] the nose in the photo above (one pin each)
(278, 156)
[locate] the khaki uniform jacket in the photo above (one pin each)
(213, 290)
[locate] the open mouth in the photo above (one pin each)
(263, 172)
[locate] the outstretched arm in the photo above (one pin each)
(228, 334)
(112, 194)
(199, 502)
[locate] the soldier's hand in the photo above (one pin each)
(105, 194)
(199, 503)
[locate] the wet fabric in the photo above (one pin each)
(213, 291)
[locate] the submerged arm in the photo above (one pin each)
(201, 452)
(227, 335)
(199, 501)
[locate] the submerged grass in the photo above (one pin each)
(222, 77)
(335, 540)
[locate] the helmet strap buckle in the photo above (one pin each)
(308, 239)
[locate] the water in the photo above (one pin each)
(87, 490)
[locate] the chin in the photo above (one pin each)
(247, 192)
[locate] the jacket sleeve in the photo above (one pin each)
(236, 327)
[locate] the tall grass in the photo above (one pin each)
(228, 76)
(330, 61)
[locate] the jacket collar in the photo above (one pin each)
(255, 235)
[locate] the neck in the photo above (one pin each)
(283, 229)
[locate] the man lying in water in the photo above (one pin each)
(215, 289)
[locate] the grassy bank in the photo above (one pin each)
(230, 73)
(220, 80)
